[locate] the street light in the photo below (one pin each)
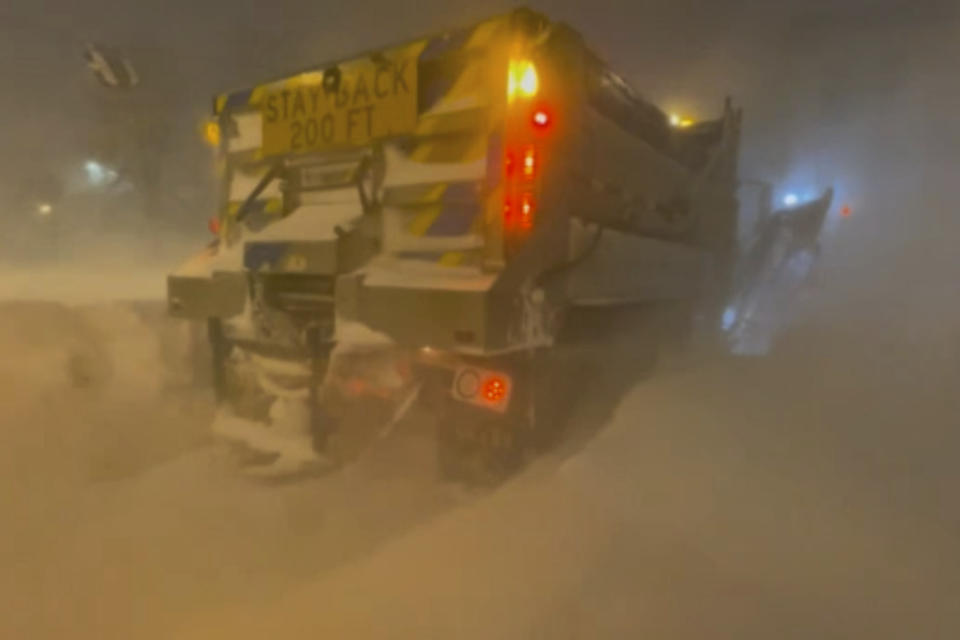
(98, 174)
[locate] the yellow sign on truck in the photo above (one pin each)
(346, 105)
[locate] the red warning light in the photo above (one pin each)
(520, 214)
(845, 211)
(509, 164)
(527, 208)
(494, 389)
(529, 162)
(541, 119)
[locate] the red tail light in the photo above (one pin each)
(494, 389)
(541, 119)
(519, 212)
(483, 388)
(526, 129)
(508, 211)
(529, 163)
(527, 209)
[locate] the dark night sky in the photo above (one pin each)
(788, 62)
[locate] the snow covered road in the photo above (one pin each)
(808, 494)
(799, 497)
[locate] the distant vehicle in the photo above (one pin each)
(425, 220)
(773, 268)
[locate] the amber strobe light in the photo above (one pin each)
(522, 80)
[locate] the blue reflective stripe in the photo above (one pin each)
(259, 254)
(258, 217)
(460, 206)
(454, 220)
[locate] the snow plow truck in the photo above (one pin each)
(423, 222)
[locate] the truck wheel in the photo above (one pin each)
(476, 448)
(219, 351)
(232, 386)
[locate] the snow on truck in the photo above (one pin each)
(424, 221)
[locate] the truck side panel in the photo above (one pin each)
(622, 268)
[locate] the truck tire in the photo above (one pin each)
(219, 353)
(476, 447)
